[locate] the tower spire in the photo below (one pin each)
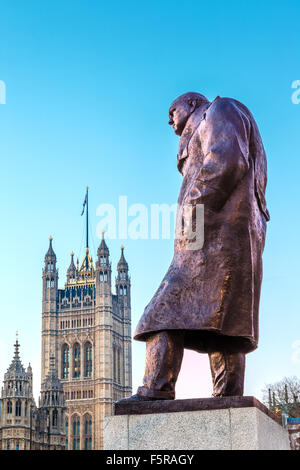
(17, 345)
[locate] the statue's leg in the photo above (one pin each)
(164, 353)
(228, 372)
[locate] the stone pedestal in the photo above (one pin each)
(229, 423)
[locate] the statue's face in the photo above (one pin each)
(179, 112)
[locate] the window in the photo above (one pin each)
(125, 290)
(87, 432)
(67, 433)
(115, 362)
(17, 445)
(121, 290)
(54, 418)
(65, 362)
(52, 283)
(9, 407)
(88, 360)
(119, 364)
(105, 276)
(76, 360)
(117, 354)
(76, 432)
(18, 408)
(48, 283)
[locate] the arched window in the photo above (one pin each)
(88, 360)
(119, 364)
(76, 360)
(9, 407)
(67, 433)
(65, 362)
(121, 290)
(18, 408)
(105, 276)
(54, 418)
(115, 362)
(17, 445)
(87, 432)
(76, 432)
(125, 290)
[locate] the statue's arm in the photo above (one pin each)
(224, 138)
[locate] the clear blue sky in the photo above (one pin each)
(89, 84)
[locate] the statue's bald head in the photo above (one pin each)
(181, 109)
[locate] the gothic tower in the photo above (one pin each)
(89, 328)
(52, 408)
(16, 405)
(122, 350)
(23, 426)
(49, 317)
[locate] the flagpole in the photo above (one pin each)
(87, 223)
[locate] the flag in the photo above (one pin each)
(84, 203)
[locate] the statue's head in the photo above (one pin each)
(181, 109)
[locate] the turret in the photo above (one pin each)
(17, 398)
(123, 281)
(50, 274)
(71, 273)
(49, 314)
(103, 269)
(29, 375)
(53, 402)
(123, 296)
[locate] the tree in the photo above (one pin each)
(283, 395)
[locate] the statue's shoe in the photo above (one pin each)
(135, 398)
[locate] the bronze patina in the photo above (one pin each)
(208, 300)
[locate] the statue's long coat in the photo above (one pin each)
(212, 293)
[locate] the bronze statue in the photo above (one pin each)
(208, 300)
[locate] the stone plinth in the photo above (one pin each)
(230, 423)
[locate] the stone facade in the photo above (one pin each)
(89, 329)
(23, 426)
(246, 428)
(293, 427)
